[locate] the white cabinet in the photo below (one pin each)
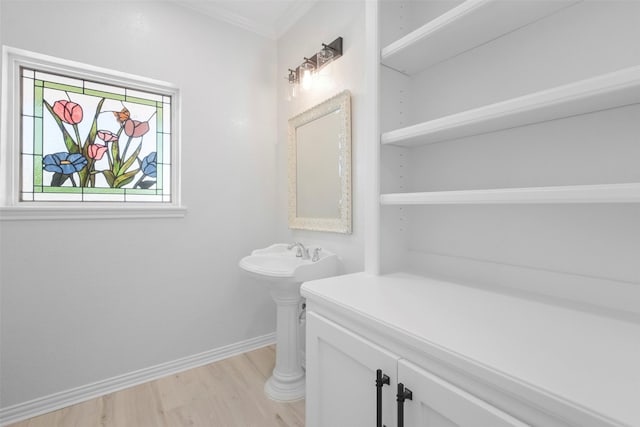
(342, 391)
(341, 374)
(470, 357)
(438, 403)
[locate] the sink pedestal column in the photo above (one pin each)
(285, 272)
(287, 381)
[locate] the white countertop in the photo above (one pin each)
(589, 360)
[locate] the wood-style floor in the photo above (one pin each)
(228, 393)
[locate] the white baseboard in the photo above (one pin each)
(52, 402)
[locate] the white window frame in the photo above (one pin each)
(11, 207)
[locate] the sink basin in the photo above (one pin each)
(277, 263)
(284, 272)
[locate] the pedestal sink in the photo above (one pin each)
(284, 272)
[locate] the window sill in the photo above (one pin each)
(36, 213)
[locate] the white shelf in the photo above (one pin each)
(604, 193)
(606, 91)
(464, 27)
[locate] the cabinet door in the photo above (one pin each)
(341, 377)
(437, 403)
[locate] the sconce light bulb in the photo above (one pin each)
(307, 77)
(307, 70)
(292, 91)
(325, 55)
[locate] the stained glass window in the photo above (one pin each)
(87, 141)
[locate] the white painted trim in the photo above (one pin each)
(271, 30)
(220, 13)
(371, 149)
(72, 396)
(600, 193)
(88, 212)
(10, 204)
(611, 90)
(466, 26)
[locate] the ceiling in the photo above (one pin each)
(269, 18)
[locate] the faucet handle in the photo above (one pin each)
(298, 247)
(316, 254)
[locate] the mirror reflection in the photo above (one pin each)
(318, 156)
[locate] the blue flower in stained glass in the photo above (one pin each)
(64, 163)
(149, 165)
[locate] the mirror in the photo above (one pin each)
(320, 167)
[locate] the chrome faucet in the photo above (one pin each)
(316, 255)
(301, 251)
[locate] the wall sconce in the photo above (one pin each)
(305, 74)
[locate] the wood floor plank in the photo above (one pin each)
(264, 360)
(180, 389)
(82, 414)
(228, 393)
(137, 406)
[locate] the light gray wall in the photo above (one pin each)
(87, 300)
(326, 21)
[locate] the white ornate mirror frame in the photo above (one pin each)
(341, 223)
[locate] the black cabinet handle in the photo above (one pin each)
(403, 394)
(381, 380)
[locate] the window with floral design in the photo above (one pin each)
(83, 134)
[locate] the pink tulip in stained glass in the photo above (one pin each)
(96, 151)
(134, 128)
(68, 112)
(107, 136)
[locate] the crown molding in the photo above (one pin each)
(294, 12)
(271, 30)
(215, 11)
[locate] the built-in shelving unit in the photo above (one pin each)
(605, 193)
(610, 90)
(464, 27)
(407, 158)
